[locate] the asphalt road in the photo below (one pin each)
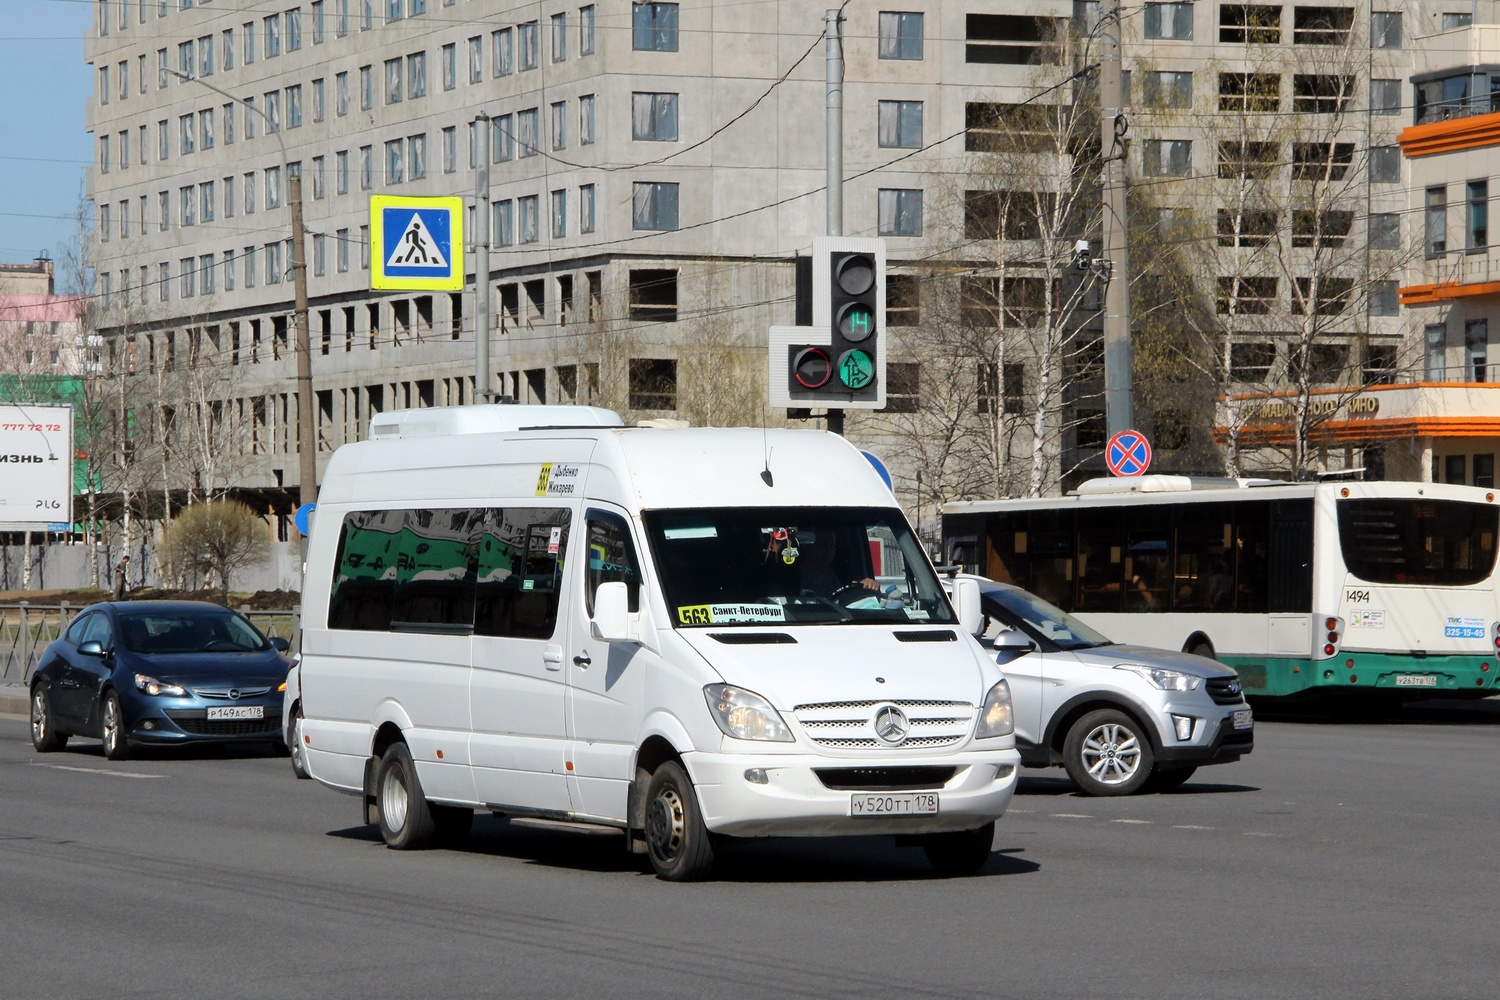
(1340, 860)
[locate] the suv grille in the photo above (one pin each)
(1224, 690)
(850, 725)
(883, 779)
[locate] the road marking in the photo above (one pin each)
(1191, 827)
(1009, 811)
(1071, 816)
(1141, 822)
(1256, 833)
(99, 770)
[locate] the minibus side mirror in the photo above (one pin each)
(611, 621)
(966, 603)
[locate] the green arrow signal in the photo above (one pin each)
(856, 369)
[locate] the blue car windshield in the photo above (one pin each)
(171, 631)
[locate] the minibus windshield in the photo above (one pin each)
(793, 565)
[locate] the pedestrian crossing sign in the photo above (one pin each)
(416, 244)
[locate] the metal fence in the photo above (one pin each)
(26, 629)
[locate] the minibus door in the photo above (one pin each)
(606, 681)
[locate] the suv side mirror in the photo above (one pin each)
(1012, 640)
(91, 648)
(611, 621)
(966, 603)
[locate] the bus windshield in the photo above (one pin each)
(1414, 540)
(793, 565)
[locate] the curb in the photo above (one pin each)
(14, 703)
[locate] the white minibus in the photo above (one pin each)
(685, 634)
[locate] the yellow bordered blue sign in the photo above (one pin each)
(416, 244)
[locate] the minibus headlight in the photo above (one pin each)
(995, 715)
(152, 686)
(1161, 678)
(745, 715)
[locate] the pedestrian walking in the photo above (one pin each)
(121, 568)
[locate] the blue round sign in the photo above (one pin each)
(300, 518)
(881, 469)
(1128, 454)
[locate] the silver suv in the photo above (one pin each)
(1119, 718)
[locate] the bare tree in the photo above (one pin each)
(216, 540)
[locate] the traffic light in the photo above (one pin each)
(839, 361)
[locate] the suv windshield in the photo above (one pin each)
(793, 565)
(1038, 619)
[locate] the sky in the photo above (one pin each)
(44, 89)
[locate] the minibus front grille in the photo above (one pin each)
(883, 779)
(752, 638)
(871, 743)
(850, 725)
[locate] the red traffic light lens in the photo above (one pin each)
(812, 368)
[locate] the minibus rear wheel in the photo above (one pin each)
(679, 845)
(405, 818)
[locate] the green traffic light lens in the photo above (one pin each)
(856, 322)
(856, 369)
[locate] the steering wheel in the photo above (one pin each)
(219, 645)
(852, 593)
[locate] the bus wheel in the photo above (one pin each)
(405, 818)
(679, 845)
(1107, 753)
(1203, 649)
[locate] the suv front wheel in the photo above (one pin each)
(1107, 753)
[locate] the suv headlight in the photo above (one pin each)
(150, 685)
(745, 715)
(1161, 678)
(995, 716)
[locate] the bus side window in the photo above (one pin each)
(521, 561)
(1100, 566)
(1252, 531)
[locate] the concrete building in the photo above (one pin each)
(41, 332)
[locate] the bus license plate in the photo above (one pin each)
(1416, 680)
(1243, 719)
(887, 804)
(237, 712)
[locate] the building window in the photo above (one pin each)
(529, 207)
(273, 111)
(1252, 93)
(900, 211)
(899, 124)
(527, 44)
(1241, 228)
(395, 161)
(1167, 90)
(1253, 23)
(341, 172)
(503, 223)
(187, 205)
(342, 252)
(450, 66)
(273, 186)
(903, 300)
(1321, 230)
(206, 270)
(654, 205)
(1476, 216)
(1321, 161)
(186, 135)
(250, 193)
(654, 117)
(317, 22)
(900, 35)
(1246, 296)
(393, 82)
(1166, 157)
(1385, 231)
(317, 100)
(187, 272)
(1385, 164)
(1321, 25)
(206, 201)
(654, 27)
(527, 128)
(1385, 30)
(559, 214)
(416, 75)
(476, 59)
(294, 30)
(653, 382)
(416, 156)
(1169, 21)
(903, 385)
(294, 106)
(586, 208)
(586, 120)
(319, 255)
(450, 149)
(586, 30)
(341, 94)
(1384, 300)
(502, 140)
(272, 35)
(1385, 97)
(366, 88)
(653, 294)
(1011, 39)
(366, 167)
(1321, 94)
(560, 125)
(559, 24)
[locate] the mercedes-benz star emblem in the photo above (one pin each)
(891, 725)
(1234, 687)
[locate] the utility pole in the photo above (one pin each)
(307, 443)
(482, 145)
(833, 94)
(1118, 404)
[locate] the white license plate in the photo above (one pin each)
(1243, 719)
(1416, 681)
(894, 804)
(237, 712)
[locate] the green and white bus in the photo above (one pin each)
(1301, 587)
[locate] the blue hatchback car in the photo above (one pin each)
(158, 672)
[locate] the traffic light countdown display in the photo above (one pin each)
(840, 362)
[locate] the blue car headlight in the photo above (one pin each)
(152, 686)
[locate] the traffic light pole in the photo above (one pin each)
(1118, 403)
(833, 92)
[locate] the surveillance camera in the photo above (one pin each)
(1081, 247)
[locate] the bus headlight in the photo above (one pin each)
(1161, 678)
(745, 715)
(995, 716)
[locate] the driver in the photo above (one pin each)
(818, 575)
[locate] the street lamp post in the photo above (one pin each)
(307, 449)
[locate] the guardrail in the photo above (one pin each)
(26, 629)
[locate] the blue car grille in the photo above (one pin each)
(194, 724)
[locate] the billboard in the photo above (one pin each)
(36, 466)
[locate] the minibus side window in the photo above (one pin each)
(521, 556)
(364, 580)
(436, 567)
(611, 557)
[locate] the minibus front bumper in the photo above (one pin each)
(810, 795)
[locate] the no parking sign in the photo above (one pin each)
(1128, 454)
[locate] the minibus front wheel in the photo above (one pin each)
(405, 819)
(679, 845)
